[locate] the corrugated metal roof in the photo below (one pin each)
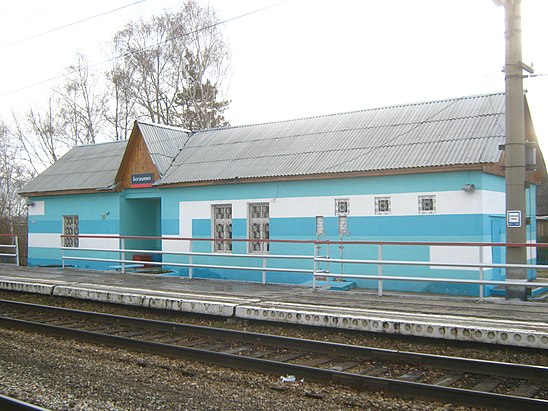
(163, 143)
(466, 130)
(82, 168)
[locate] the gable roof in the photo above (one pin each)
(91, 167)
(163, 143)
(451, 132)
(95, 166)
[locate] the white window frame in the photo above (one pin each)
(378, 201)
(258, 247)
(423, 200)
(71, 226)
(226, 222)
(342, 206)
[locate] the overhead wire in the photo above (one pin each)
(221, 22)
(70, 24)
(18, 5)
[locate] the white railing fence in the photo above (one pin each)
(315, 257)
(9, 251)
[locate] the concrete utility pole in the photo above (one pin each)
(515, 167)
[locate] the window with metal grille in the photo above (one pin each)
(342, 206)
(427, 204)
(259, 227)
(383, 205)
(70, 227)
(222, 228)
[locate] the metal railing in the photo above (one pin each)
(124, 263)
(6, 248)
(380, 262)
(316, 260)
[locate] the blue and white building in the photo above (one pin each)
(429, 171)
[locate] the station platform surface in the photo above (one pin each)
(493, 320)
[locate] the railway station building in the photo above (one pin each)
(425, 172)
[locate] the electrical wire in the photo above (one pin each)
(59, 76)
(69, 25)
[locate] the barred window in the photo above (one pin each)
(342, 206)
(222, 228)
(70, 227)
(427, 204)
(259, 228)
(383, 205)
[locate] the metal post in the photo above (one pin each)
(314, 267)
(481, 273)
(123, 247)
(379, 257)
(328, 265)
(264, 271)
(190, 268)
(16, 250)
(341, 254)
(62, 253)
(514, 160)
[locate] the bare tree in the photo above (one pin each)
(175, 63)
(40, 134)
(121, 112)
(12, 177)
(74, 115)
(169, 70)
(81, 105)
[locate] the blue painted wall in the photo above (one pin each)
(98, 214)
(156, 212)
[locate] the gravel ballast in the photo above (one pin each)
(69, 375)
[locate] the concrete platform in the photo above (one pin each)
(493, 321)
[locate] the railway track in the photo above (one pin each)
(454, 380)
(12, 404)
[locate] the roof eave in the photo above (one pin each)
(484, 167)
(66, 192)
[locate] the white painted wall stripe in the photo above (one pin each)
(462, 255)
(54, 241)
(406, 204)
(44, 240)
(37, 208)
(104, 243)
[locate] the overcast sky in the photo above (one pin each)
(299, 57)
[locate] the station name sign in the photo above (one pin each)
(142, 180)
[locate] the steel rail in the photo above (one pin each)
(406, 388)
(476, 366)
(12, 404)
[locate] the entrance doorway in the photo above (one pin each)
(142, 217)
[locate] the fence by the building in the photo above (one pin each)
(9, 249)
(313, 258)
